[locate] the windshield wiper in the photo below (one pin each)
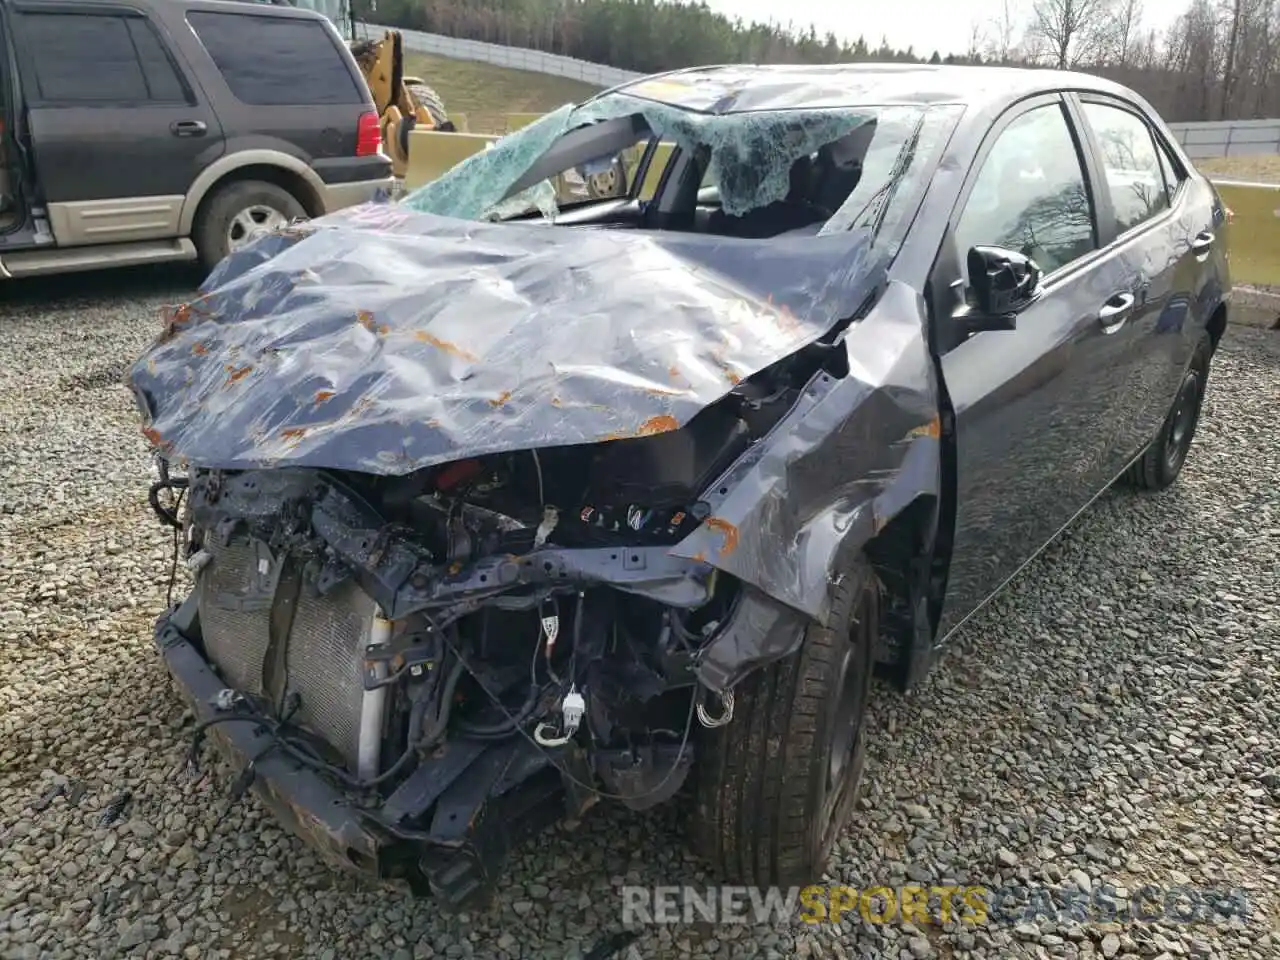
(884, 194)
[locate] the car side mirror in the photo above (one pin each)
(1002, 283)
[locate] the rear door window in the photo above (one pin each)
(84, 59)
(277, 61)
(1132, 166)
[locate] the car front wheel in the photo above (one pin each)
(776, 785)
(1160, 465)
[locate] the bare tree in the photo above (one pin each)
(1074, 31)
(1002, 35)
(1193, 56)
(1127, 21)
(1219, 60)
(977, 41)
(1235, 15)
(1145, 52)
(1266, 62)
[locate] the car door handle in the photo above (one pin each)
(188, 128)
(1116, 311)
(1202, 243)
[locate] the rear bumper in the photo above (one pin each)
(302, 801)
(339, 195)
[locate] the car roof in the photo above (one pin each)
(744, 88)
(252, 9)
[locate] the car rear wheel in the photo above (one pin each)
(1160, 465)
(238, 213)
(776, 785)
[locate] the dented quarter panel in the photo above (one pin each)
(846, 460)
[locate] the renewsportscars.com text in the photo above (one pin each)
(919, 904)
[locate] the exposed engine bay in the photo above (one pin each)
(431, 641)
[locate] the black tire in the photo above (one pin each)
(765, 811)
(427, 97)
(212, 229)
(1160, 465)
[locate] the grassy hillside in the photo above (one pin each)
(486, 94)
(1254, 169)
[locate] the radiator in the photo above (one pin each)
(320, 658)
(324, 661)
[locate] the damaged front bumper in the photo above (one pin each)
(451, 823)
(487, 797)
(303, 801)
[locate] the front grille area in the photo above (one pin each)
(321, 656)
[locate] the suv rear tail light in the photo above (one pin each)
(368, 135)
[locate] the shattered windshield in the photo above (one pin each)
(762, 173)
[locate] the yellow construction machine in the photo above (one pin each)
(403, 103)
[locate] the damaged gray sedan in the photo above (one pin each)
(500, 500)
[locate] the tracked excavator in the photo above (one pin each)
(404, 103)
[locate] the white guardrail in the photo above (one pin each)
(1228, 138)
(516, 58)
(1202, 141)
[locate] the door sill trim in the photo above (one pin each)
(30, 263)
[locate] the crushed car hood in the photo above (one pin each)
(383, 341)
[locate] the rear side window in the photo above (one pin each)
(277, 61)
(82, 59)
(1132, 166)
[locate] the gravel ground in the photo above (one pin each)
(1111, 719)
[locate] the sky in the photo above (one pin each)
(928, 25)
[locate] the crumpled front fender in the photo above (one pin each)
(849, 457)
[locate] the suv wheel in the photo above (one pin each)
(239, 213)
(776, 785)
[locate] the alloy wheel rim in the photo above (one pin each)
(251, 223)
(603, 184)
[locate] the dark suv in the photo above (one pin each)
(139, 131)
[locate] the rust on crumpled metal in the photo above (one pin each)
(236, 374)
(482, 340)
(726, 530)
(156, 440)
(663, 423)
(931, 429)
(174, 318)
(446, 346)
(367, 320)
